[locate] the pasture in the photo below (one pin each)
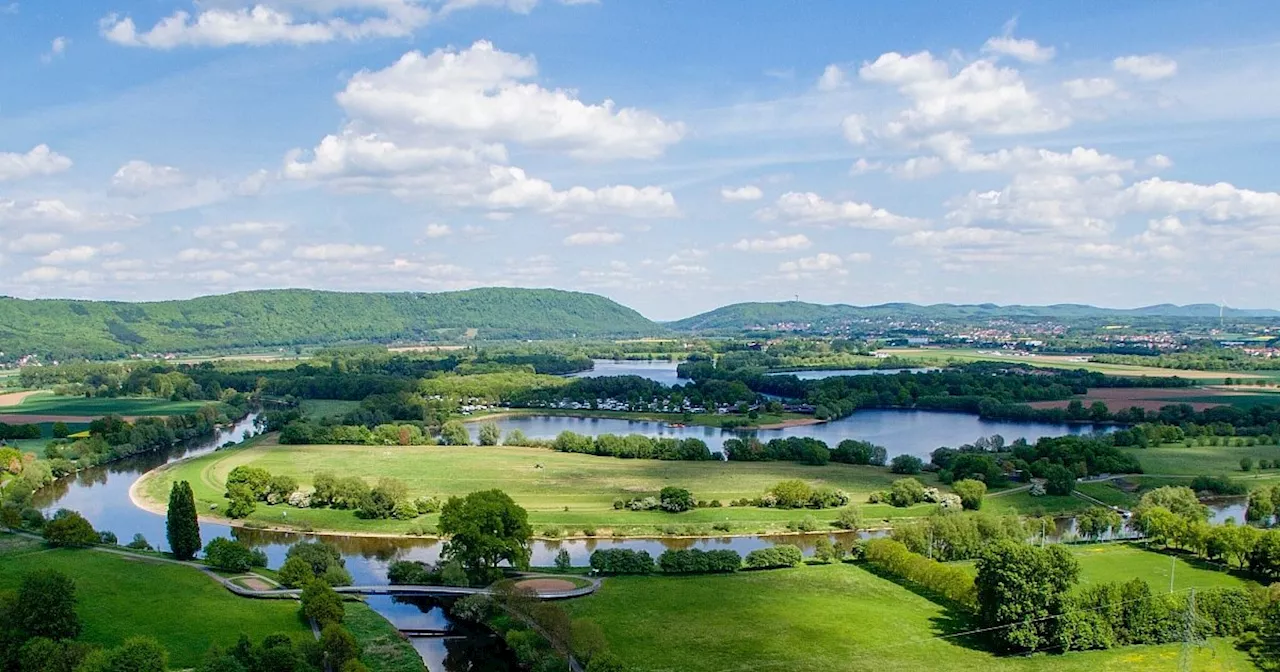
(568, 492)
(838, 617)
(943, 356)
(49, 407)
(120, 597)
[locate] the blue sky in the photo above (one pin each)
(674, 156)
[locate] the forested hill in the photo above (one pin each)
(741, 316)
(98, 329)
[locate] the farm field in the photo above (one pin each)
(49, 407)
(121, 597)
(328, 408)
(935, 356)
(1175, 459)
(563, 490)
(839, 617)
(1154, 398)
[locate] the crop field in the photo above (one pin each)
(121, 597)
(839, 617)
(936, 356)
(1155, 398)
(48, 407)
(561, 490)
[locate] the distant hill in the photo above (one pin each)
(743, 316)
(270, 318)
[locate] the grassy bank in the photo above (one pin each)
(567, 492)
(121, 597)
(838, 617)
(383, 648)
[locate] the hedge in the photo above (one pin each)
(894, 558)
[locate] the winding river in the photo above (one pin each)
(101, 494)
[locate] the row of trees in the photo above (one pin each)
(617, 561)
(633, 446)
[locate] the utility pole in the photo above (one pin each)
(1173, 565)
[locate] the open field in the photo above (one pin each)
(1154, 398)
(839, 617)
(328, 408)
(1102, 563)
(936, 356)
(563, 490)
(48, 407)
(121, 597)
(1175, 459)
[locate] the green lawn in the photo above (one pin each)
(1178, 460)
(52, 404)
(328, 408)
(121, 597)
(382, 647)
(1023, 504)
(820, 619)
(1102, 563)
(944, 356)
(560, 490)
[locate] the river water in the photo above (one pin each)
(101, 494)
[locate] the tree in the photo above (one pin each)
(850, 519)
(823, 550)
(588, 639)
(137, 654)
(1019, 587)
(232, 556)
(338, 645)
(489, 434)
(1098, 521)
(1179, 500)
(60, 430)
(182, 527)
(1246, 464)
(68, 528)
(454, 433)
(971, 493)
(486, 528)
(906, 464)
(321, 603)
(792, 493)
(45, 606)
(676, 500)
(563, 561)
(906, 492)
(1059, 480)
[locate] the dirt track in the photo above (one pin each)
(15, 398)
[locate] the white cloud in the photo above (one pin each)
(35, 242)
(960, 236)
(136, 178)
(63, 276)
(1221, 202)
(54, 212)
(685, 269)
(1021, 49)
(70, 255)
(863, 166)
(56, 48)
(237, 229)
(337, 252)
(1158, 162)
(819, 263)
(1148, 67)
(39, 161)
(798, 241)
(749, 192)
(585, 238)
(438, 230)
(1093, 87)
(855, 129)
(832, 78)
(810, 208)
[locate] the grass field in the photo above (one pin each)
(1102, 563)
(49, 404)
(562, 490)
(121, 597)
(1022, 503)
(943, 356)
(382, 647)
(1175, 459)
(837, 617)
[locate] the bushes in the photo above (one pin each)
(950, 582)
(793, 449)
(906, 464)
(633, 446)
(410, 573)
(621, 561)
(782, 555)
(695, 561)
(676, 500)
(971, 493)
(851, 451)
(68, 528)
(789, 494)
(906, 492)
(232, 556)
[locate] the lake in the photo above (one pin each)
(899, 431)
(659, 371)
(819, 374)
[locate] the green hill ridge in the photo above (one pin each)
(63, 328)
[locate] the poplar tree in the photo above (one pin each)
(181, 525)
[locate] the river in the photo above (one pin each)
(916, 433)
(101, 494)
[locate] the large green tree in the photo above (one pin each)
(45, 606)
(485, 529)
(182, 526)
(1020, 587)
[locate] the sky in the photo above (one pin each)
(674, 156)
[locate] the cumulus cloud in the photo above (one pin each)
(238, 229)
(1022, 49)
(956, 151)
(810, 208)
(1148, 67)
(437, 230)
(35, 242)
(822, 262)
(798, 241)
(1093, 87)
(1158, 162)
(57, 213)
(57, 48)
(76, 255)
(749, 192)
(337, 252)
(832, 78)
(587, 238)
(136, 178)
(39, 161)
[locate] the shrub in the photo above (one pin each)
(232, 556)
(405, 510)
(68, 528)
(696, 561)
(791, 494)
(971, 493)
(322, 603)
(427, 505)
(675, 499)
(722, 526)
(563, 561)
(906, 492)
(806, 524)
(906, 464)
(946, 580)
(782, 555)
(139, 543)
(621, 561)
(849, 519)
(828, 498)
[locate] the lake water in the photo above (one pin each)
(662, 372)
(899, 431)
